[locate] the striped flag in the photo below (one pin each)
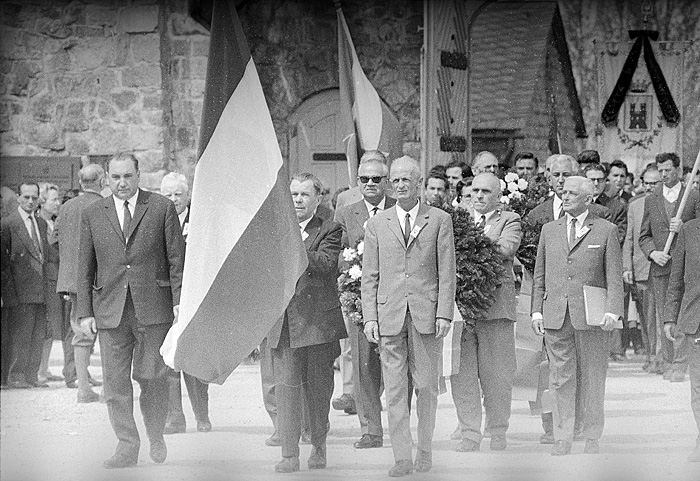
(244, 249)
(361, 107)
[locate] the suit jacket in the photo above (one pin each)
(313, 315)
(352, 219)
(560, 274)
(419, 276)
(545, 212)
(149, 265)
(683, 295)
(655, 224)
(67, 228)
(503, 227)
(618, 213)
(26, 265)
(51, 264)
(633, 259)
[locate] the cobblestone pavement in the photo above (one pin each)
(46, 436)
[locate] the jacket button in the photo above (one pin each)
(126, 286)
(408, 275)
(128, 266)
(569, 277)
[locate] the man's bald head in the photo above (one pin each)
(373, 156)
(577, 194)
(174, 186)
(486, 192)
(91, 177)
(562, 167)
(485, 161)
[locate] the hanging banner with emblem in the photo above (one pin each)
(640, 99)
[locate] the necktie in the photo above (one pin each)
(407, 228)
(374, 211)
(482, 222)
(35, 236)
(572, 233)
(127, 220)
(561, 211)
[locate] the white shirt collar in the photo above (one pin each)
(183, 215)
(671, 194)
(556, 205)
(119, 204)
(401, 214)
(23, 213)
(379, 206)
(303, 224)
(579, 218)
(487, 216)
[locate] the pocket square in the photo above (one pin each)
(594, 246)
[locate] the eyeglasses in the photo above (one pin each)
(651, 183)
(598, 180)
(375, 178)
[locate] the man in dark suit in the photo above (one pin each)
(175, 187)
(575, 251)
(304, 341)
(367, 369)
(683, 310)
(129, 280)
(487, 356)
(660, 209)
(67, 228)
(24, 238)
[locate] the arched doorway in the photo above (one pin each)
(316, 139)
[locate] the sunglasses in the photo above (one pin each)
(376, 178)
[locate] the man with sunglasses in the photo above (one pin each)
(366, 366)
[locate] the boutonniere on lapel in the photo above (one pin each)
(583, 232)
(415, 231)
(185, 229)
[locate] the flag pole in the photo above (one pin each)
(684, 199)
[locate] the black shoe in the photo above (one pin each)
(547, 438)
(88, 397)
(94, 382)
(203, 426)
(561, 448)
(53, 378)
(19, 384)
(369, 441)
(287, 465)
(120, 460)
(159, 451)
(424, 461)
(174, 428)
(317, 460)
(72, 385)
(345, 403)
(273, 440)
(39, 384)
(402, 467)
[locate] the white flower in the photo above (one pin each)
(511, 177)
(505, 199)
(355, 272)
(503, 184)
(522, 184)
(349, 254)
(512, 187)
(517, 195)
(361, 247)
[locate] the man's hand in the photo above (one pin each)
(608, 323)
(442, 327)
(372, 331)
(538, 326)
(660, 258)
(176, 313)
(670, 331)
(675, 225)
(88, 325)
(628, 277)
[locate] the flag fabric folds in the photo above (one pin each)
(244, 249)
(361, 107)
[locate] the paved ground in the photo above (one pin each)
(45, 435)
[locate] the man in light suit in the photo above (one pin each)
(67, 228)
(408, 293)
(683, 310)
(129, 280)
(487, 356)
(660, 209)
(575, 251)
(304, 341)
(24, 238)
(367, 370)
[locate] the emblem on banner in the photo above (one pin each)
(639, 124)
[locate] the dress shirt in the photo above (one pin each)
(182, 215)
(556, 205)
(380, 206)
(401, 214)
(671, 194)
(486, 217)
(580, 219)
(29, 222)
(303, 224)
(119, 205)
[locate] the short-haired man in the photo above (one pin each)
(175, 187)
(408, 289)
(487, 358)
(485, 161)
(367, 370)
(67, 228)
(436, 189)
(598, 174)
(588, 248)
(354, 194)
(456, 171)
(588, 157)
(617, 178)
(526, 165)
(24, 239)
(129, 279)
(660, 210)
(304, 341)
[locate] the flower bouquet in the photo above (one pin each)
(349, 282)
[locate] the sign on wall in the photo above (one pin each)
(62, 171)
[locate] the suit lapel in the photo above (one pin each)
(421, 220)
(26, 239)
(312, 228)
(139, 211)
(361, 215)
(589, 225)
(393, 222)
(111, 213)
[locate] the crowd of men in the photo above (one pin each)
(110, 261)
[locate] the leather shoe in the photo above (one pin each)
(592, 446)
(120, 460)
(87, 397)
(547, 438)
(72, 385)
(677, 376)
(695, 455)
(94, 382)
(38, 383)
(287, 465)
(53, 378)
(402, 467)
(317, 460)
(173, 428)
(345, 403)
(159, 451)
(468, 446)
(369, 441)
(19, 384)
(424, 461)
(561, 448)
(203, 426)
(498, 443)
(273, 440)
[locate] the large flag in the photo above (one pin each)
(244, 248)
(365, 124)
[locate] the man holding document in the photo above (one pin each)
(577, 299)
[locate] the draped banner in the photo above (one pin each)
(641, 130)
